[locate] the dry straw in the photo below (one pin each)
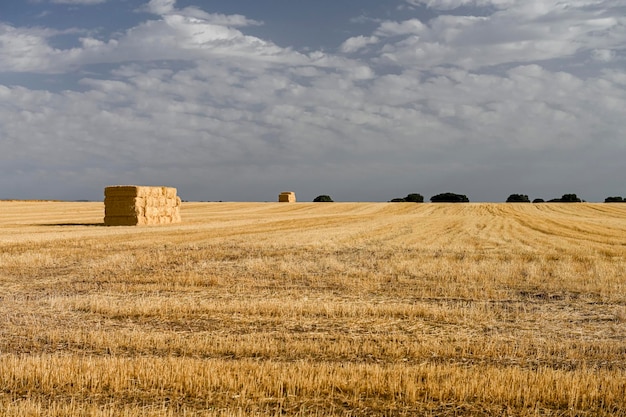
(287, 197)
(131, 205)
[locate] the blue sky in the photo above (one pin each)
(359, 99)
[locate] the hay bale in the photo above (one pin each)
(287, 197)
(131, 205)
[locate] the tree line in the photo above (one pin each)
(461, 198)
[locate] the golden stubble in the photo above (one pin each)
(314, 309)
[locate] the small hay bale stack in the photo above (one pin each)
(287, 197)
(131, 205)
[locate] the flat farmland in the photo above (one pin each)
(322, 309)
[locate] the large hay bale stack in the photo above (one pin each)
(131, 205)
(287, 197)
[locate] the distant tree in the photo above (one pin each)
(566, 198)
(414, 198)
(539, 200)
(449, 198)
(411, 198)
(322, 199)
(518, 198)
(615, 200)
(570, 198)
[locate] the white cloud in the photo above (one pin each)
(357, 43)
(453, 4)
(160, 7)
(529, 31)
(27, 49)
(242, 105)
(407, 27)
(219, 114)
(603, 55)
(520, 33)
(174, 36)
(165, 7)
(234, 20)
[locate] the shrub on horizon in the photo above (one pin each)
(567, 198)
(411, 198)
(449, 198)
(616, 199)
(518, 198)
(414, 198)
(322, 199)
(539, 200)
(570, 198)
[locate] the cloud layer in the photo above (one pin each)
(518, 97)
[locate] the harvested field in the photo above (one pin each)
(314, 309)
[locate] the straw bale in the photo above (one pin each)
(122, 220)
(130, 205)
(121, 191)
(169, 192)
(287, 197)
(131, 190)
(137, 211)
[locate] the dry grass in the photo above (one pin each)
(314, 309)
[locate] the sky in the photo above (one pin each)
(362, 100)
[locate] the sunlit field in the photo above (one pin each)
(314, 309)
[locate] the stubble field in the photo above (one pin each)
(314, 309)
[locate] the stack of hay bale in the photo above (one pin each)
(287, 197)
(131, 205)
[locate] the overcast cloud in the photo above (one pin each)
(481, 97)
